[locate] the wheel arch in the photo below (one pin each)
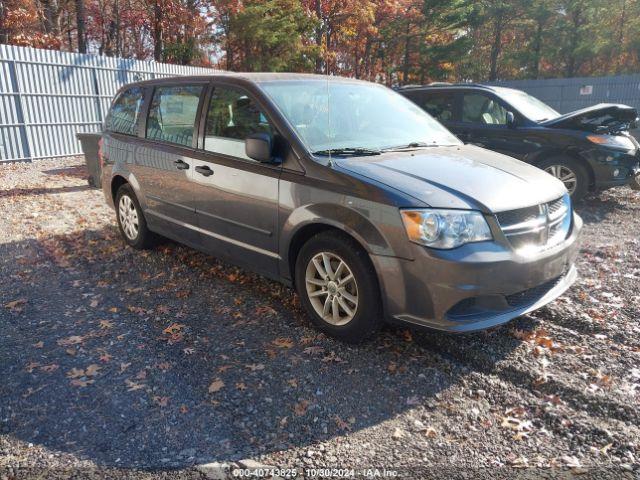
(121, 178)
(570, 153)
(308, 221)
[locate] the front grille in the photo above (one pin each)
(537, 227)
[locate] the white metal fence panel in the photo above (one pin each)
(46, 97)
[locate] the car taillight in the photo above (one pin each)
(100, 155)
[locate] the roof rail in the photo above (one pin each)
(439, 84)
(410, 85)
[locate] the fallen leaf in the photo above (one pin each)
(76, 382)
(161, 401)
(254, 367)
(241, 386)
(332, 357)
(430, 432)
(92, 370)
(16, 305)
(301, 407)
(282, 342)
(314, 350)
(105, 358)
(75, 373)
(49, 368)
(104, 324)
(293, 382)
(31, 366)
(124, 366)
(266, 310)
(72, 340)
(520, 435)
(40, 344)
(164, 366)
(407, 335)
(133, 386)
(341, 424)
(188, 351)
(216, 386)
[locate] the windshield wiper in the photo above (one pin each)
(409, 146)
(351, 151)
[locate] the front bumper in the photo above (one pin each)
(612, 168)
(476, 286)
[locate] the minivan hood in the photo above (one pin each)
(465, 176)
(601, 118)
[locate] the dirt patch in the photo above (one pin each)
(117, 361)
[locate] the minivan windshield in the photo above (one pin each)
(354, 117)
(527, 105)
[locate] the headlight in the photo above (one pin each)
(614, 141)
(445, 229)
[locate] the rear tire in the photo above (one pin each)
(569, 171)
(131, 221)
(343, 300)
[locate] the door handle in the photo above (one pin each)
(181, 165)
(204, 170)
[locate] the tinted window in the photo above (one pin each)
(483, 109)
(439, 105)
(172, 114)
(232, 116)
(124, 112)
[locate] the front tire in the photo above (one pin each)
(338, 287)
(570, 172)
(131, 221)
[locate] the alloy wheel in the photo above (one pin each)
(128, 217)
(331, 288)
(565, 175)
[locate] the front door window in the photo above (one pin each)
(232, 117)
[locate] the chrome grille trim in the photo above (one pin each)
(538, 227)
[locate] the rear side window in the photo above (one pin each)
(123, 116)
(231, 117)
(439, 105)
(172, 115)
(482, 109)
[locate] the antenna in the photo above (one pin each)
(326, 62)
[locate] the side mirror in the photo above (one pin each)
(511, 120)
(259, 146)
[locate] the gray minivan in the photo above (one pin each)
(343, 189)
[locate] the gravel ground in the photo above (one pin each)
(133, 364)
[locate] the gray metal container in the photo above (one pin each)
(89, 142)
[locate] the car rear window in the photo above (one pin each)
(172, 114)
(123, 116)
